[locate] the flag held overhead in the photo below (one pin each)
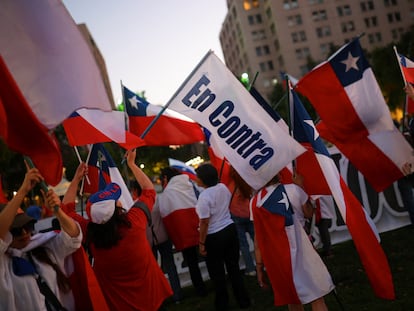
(346, 95)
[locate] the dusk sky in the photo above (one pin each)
(151, 46)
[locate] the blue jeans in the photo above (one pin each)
(243, 226)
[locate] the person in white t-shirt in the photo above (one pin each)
(218, 238)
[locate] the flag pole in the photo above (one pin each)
(80, 161)
(399, 65)
(124, 101)
(280, 101)
(405, 85)
(253, 81)
(289, 116)
(145, 132)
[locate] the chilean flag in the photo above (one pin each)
(346, 95)
(360, 225)
(217, 158)
(102, 170)
(407, 67)
(183, 168)
(178, 212)
(299, 276)
(90, 126)
(169, 129)
(22, 132)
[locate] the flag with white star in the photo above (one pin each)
(102, 170)
(170, 128)
(355, 117)
(278, 203)
(360, 225)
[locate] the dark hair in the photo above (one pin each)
(244, 188)
(108, 234)
(169, 172)
(207, 173)
(275, 179)
(135, 186)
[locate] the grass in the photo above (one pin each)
(352, 286)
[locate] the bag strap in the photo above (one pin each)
(196, 191)
(52, 302)
(142, 206)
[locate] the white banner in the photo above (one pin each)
(246, 134)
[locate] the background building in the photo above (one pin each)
(270, 37)
(99, 60)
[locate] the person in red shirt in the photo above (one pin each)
(127, 272)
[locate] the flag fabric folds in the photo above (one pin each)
(169, 129)
(360, 225)
(50, 60)
(346, 95)
(102, 171)
(299, 276)
(407, 67)
(247, 136)
(22, 132)
(217, 159)
(90, 126)
(183, 168)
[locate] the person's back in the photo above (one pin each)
(296, 272)
(160, 242)
(125, 267)
(177, 208)
(129, 267)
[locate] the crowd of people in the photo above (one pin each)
(201, 219)
(206, 219)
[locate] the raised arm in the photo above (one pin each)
(72, 191)
(143, 180)
(66, 223)
(7, 215)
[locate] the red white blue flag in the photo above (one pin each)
(102, 170)
(183, 168)
(87, 126)
(170, 129)
(300, 275)
(360, 225)
(407, 67)
(346, 95)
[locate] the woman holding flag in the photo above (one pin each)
(128, 274)
(295, 270)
